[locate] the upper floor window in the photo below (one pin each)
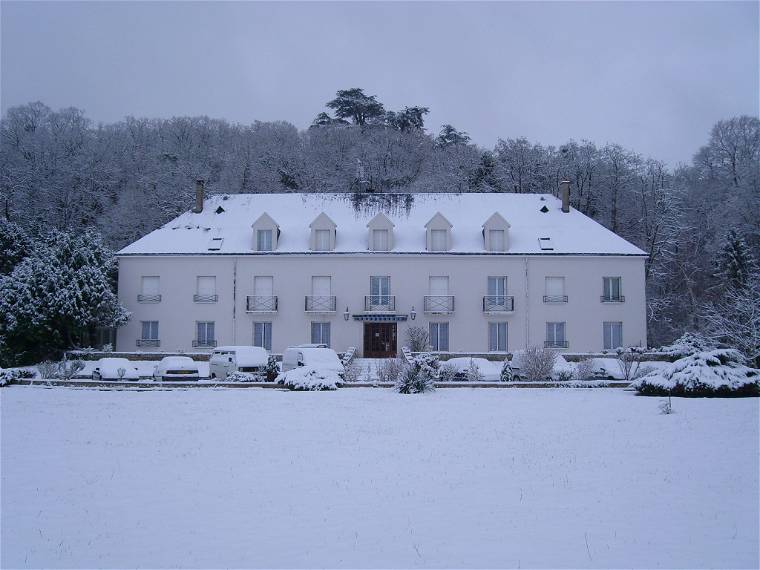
(322, 240)
(495, 233)
(438, 232)
(149, 330)
(497, 240)
(205, 291)
(150, 289)
(438, 240)
(380, 241)
(264, 240)
(554, 291)
(612, 289)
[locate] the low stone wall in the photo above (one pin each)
(569, 356)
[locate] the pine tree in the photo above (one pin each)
(15, 245)
(735, 262)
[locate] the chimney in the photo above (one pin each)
(198, 197)
(564, 190)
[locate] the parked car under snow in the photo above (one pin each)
(176, 368)
(228, 359)
(115, 369)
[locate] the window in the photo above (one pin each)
(438, 240)
(380, 240)
(555, 335)
(611, 289)
(497, 286)
(321, 240)
(149, 330)
(379, 291)
(545, 244)
(264, 240)
(497, 240)
(262, 335)
(216, 243)
(613, 335)
(439, 336)
(554, 291)
(150, 289)
(497, 337)
(205, 333)
(320, 333)
(205, 288)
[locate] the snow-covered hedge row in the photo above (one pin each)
(308, 378)
(719, 372)
(8, 376)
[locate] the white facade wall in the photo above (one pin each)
(584, 313)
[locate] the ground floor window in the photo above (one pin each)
(320, 333)
(439, 336)
(149, 330)
(555, 335)
(205, 333)
(262, 335)
(497, 337)
(613, 335)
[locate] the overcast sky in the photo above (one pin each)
(653, 77)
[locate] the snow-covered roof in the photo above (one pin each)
(224, 225)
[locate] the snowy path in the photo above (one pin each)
(369, 478)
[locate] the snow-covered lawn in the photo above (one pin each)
(371, 478)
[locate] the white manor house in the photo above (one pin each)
(480, 272)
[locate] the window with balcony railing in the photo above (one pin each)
(320, 303)
(498, 304)
(438, 303)
(379, 303)
(261, 304)
(555, 336)
(149, 334)
(204, 335)
(150, 287)
(612, 290)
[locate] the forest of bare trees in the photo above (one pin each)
(60, 170)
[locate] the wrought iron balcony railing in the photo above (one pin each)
(612, 299)
(555, 298)
(380, 303)
(556, 344)
(438, 304)
(320, 303)
(148, 342)
(198, 298)
(142, 298)
(204, 343)
(261, 304)
(498, 304)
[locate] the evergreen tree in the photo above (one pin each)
(735, 262)
(450, 136)
(57, 297)
(355, 105)
(15, 245)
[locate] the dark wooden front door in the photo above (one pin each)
(379, 340)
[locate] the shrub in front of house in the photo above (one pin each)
(309, 379)
(711, 373)
(506, 372)
(272, 369)
(537, 364)
(414, 380)
(242, 377)
(389, 370)
(9, 376)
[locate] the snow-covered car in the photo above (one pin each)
(176, 368)
(316, 356)
(115, 369)
(228, 359)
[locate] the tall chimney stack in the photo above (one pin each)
(564, 190)
(198, 197)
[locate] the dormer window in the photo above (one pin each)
(496, 233)
(438, 233)
(323, 233)
(380, 240)
(266, 233)
(264, 240)
(380, 233)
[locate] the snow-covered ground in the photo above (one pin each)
(371, 478)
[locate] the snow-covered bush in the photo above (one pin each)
(48, 369)
(272, 369)
(584, 369)
(628, 361)
(427, 362)
(537, 364)
(308, 378)
(447, 373)
(67, 369)
(414, 380)
(506, 372)
(242, 377)
(719, 372)
(689, 343)
(390, 369)
(8, 376)
(417, 338)
(562, 370)
(473, 372)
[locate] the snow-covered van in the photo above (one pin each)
(317, 356)
(228, 359)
